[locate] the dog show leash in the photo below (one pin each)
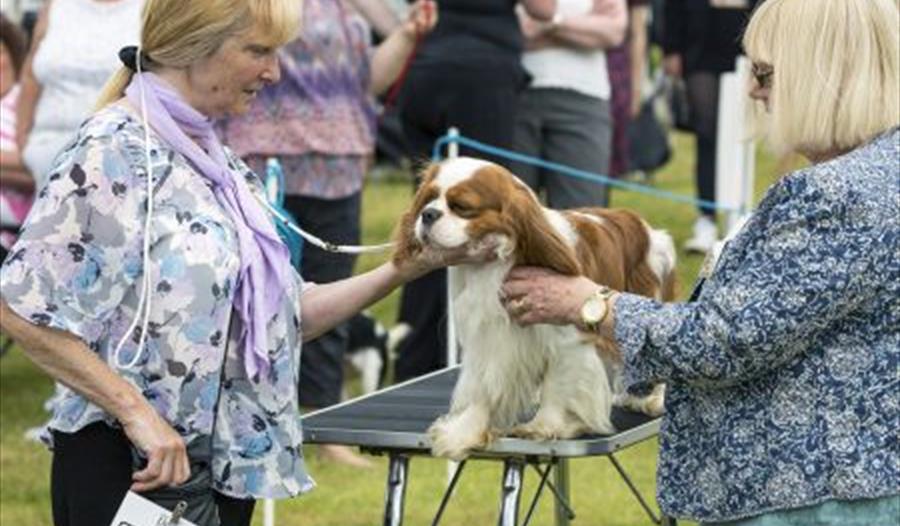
(318, 242)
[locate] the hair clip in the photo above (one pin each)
(129, 57)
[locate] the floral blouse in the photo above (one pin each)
(78, 266)
(783, 387)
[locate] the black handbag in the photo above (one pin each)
(648, 141)
(679, 107)
(196, 493)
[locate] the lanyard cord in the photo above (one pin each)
(324, 245)
(144, 302)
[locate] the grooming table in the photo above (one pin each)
(394, 421)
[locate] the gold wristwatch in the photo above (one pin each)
(595, 309)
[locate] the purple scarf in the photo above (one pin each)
(265, 261)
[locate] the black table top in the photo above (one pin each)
(398, 417)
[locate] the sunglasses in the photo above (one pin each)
(763, 74)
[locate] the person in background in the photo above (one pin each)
(73, 52)
(781, 376)
(319, 121)
(564, 116)
(701, 40)
(381, 16)
(158, 291)
(466, 73)
(16, 184)
(627, 69)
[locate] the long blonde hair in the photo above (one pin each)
(836, 81)
(177, 33)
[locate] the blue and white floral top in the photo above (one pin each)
(77, 267)
(783, 385)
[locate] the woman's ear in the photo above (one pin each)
(537, 242)
(407, 246)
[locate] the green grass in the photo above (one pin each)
(350, 497)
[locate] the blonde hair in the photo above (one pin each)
(177, 33)
(836, 81)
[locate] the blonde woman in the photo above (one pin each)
(331, 71)
(174, 318)
(782, 374)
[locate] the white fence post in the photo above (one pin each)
(452, 344)
(735, 150)
(269, 512)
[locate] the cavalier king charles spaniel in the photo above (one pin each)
(571, 377)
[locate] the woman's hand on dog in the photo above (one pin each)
(429, 258)
(534, 295)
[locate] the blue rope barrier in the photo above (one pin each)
(573, 172)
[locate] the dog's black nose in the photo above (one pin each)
(430, 215)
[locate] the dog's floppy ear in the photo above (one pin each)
(405, 232)
(537, 242)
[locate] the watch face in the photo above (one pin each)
(593, 309)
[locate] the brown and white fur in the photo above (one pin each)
(507, 368)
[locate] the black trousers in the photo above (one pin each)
(703, 98)
(335, 220)
(481, 100)
(91, 473)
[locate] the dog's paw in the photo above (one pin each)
(453, 442)
(654, 406)
(533, 431)
(445, 444)
(651, 405)
(549, 424)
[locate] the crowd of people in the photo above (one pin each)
(144, 275)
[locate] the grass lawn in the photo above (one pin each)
(350, 497)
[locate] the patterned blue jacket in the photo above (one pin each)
(784, 387)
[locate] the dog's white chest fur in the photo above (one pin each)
(509, 369)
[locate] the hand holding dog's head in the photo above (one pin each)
(468, 211)
(407, 246)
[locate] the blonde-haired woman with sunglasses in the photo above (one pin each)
(782, 389)
(168, 307)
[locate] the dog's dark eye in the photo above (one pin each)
(463, 210)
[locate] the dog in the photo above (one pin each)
(371, 349)
(507, 369)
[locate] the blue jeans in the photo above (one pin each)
(884, 511)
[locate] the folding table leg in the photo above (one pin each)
(637, 494)
(512, 491)
(398, 469)
(561, 475)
